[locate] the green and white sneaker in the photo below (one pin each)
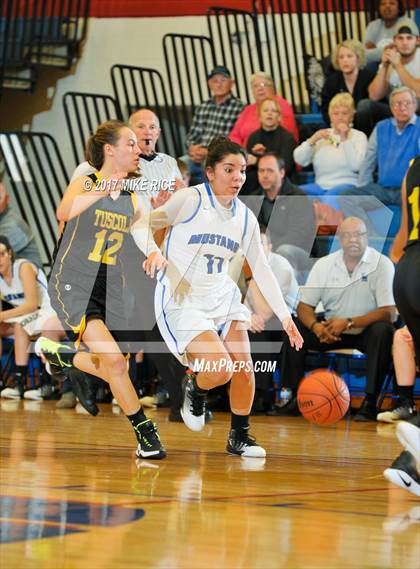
(52, 354)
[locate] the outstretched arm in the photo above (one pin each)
(266, 281)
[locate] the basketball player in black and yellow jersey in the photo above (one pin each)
(406, 251)
(86, 282)
(405, 470)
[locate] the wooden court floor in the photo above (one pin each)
(73, 496)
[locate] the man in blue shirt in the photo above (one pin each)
(392, 145)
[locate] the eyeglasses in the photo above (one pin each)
(402, 104)
(346, 235)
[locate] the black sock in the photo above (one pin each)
(137, 418)
(239, 421)
(198, 389)
(405, 392)
(21, 372)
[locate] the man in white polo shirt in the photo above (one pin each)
(354, 286)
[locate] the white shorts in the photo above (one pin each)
(33, 322)
(179, 325)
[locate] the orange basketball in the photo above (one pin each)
(323, 397)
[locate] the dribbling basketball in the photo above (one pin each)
(323, 397)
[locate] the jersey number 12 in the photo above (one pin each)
(108, 256)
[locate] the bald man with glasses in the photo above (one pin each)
(354, 285)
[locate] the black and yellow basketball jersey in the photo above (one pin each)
(91, 242)
(413, 201)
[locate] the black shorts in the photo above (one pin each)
(78, 298)
(407, 292)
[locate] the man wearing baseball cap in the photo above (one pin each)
(214, 117)
(400, 67)
(400, 64)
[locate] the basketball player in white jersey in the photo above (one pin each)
(26, 310)
(198, 306)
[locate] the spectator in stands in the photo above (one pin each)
(380, 32)
(160, 172)
(25, 311)
(350, 75)
(392, 144)
(214, 117)
(336, 153)
(271, 137)
(400, 66)
(354, 286)
(17, 231)
(262, 86)
(286, 211)
(264, 324)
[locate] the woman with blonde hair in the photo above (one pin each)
(262, 86)
(350, 75)
(336, 153)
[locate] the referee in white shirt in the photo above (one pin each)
(354, 286)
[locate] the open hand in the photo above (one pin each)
(154, 262)
(295, 339)
(257, 323)
(160, 198)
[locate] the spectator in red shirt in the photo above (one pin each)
(248, 121)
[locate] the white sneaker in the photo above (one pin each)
(10, 393)
(193, 410)
(33, 394)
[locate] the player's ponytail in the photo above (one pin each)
(106, 133)
(219, 148)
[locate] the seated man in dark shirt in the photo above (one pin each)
(286, 211)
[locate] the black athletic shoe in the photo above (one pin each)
(403, 473)
(149, 441)
(367, 412)
(194, 405)
(243, 444)
(403, 411)
(83, 390)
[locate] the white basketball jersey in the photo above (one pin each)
(14, 294)
(202, 246)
